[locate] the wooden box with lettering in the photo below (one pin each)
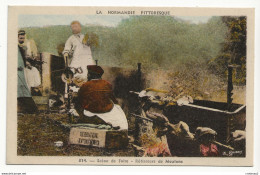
(98, 137)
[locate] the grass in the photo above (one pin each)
(37, 134)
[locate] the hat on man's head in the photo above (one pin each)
(21, 32)
(95, 69)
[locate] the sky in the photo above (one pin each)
(104, 20)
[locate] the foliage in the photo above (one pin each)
(190, 59)
(155, 41)
(233, 51)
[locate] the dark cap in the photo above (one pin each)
(21, 32)
(95, 69)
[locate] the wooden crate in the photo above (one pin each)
(98, 137)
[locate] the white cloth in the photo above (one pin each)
(81, 54)
(74, 88)
(116, 117)
(73, 112)
(184, 100)
(32, 77)
(30, 47)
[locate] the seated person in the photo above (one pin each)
(97, 102)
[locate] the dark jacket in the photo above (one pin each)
(96, 96)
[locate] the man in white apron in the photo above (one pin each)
(80, 53)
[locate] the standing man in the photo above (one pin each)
(29, 52)
(25, 103)
(29, 46)
(79, 53)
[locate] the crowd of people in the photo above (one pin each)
(95, 100)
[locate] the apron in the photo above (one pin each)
(82, 57)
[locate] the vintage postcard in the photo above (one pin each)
(130, 86)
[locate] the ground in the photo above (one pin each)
(37, 134)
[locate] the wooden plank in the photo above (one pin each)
(116, 139)
(46, 73)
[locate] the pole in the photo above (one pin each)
(139, 77)
(230, 87)
(68, 90)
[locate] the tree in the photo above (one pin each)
(234, 50)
